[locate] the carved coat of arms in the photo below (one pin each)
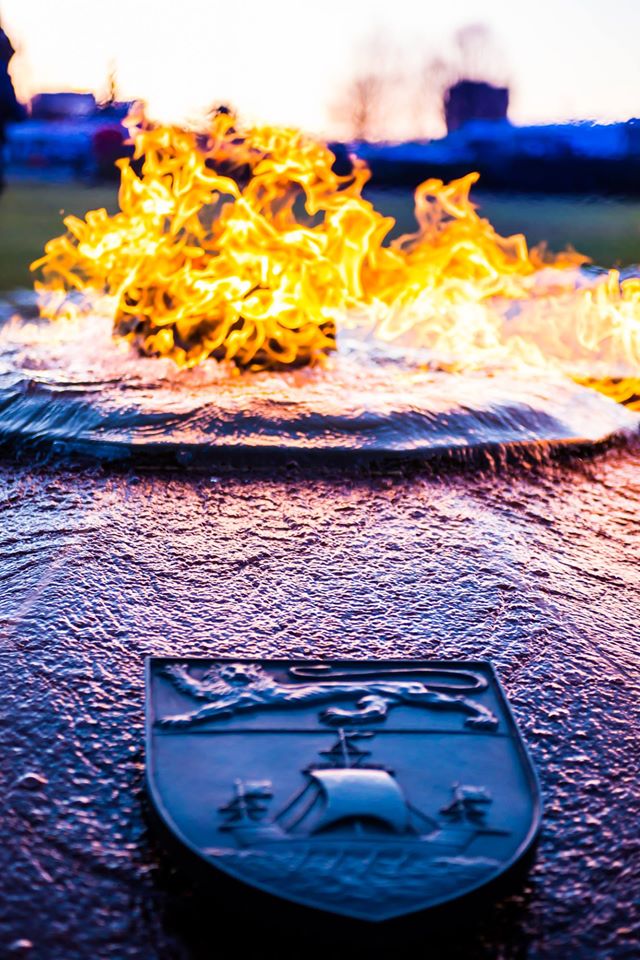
(366, 789)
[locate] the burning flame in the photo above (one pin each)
(246, 246)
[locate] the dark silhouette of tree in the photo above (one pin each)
(10, 109)
(364, 104)
(362, 107)
(111, 93)
(432, 81)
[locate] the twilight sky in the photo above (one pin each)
(287, 61)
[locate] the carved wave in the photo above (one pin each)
(363, 879)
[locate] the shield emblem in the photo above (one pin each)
(369, 789)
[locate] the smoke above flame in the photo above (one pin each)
(246, 246)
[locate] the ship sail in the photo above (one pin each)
(360, 794)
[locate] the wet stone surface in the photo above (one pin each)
(536, 570)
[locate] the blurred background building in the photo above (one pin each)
(68, 135)
(469, 100)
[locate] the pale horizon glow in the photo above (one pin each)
(281, 62)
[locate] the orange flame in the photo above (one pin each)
(247, 246)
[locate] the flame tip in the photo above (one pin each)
(244, 245)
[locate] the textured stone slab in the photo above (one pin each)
(535, 570)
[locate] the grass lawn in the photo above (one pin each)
(31, 213)
(606, 230)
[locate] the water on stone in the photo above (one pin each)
(74, 389)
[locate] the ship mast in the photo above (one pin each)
(344, 753)
(248, 805)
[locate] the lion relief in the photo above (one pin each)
(226, 689)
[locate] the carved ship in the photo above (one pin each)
(347, 799)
